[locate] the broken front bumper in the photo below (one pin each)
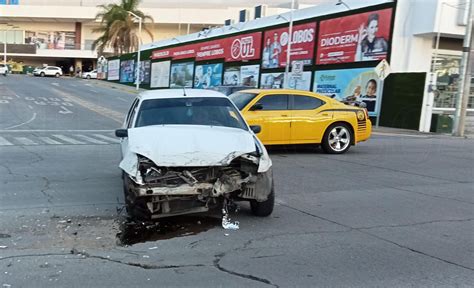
(188, 198)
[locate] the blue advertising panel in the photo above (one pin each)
(360, 84)
(127, 71)
(206, 76)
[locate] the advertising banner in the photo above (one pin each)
(242, 76)
(354, 38)
(127, 71)
(51, 39)
(145, 67)
(160, 74)
(237, 48)
(276, 81)
(182, 75)
(206, 76)
(276, 45)
(360, 84)
(113, 71)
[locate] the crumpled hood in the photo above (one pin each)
(190, 145)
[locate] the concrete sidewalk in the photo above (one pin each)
(389, 131)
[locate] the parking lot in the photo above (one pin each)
(397, 210)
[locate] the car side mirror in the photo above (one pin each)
(257, 106)
(121, 133)
(256, 128)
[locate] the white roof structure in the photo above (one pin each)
(325, 8)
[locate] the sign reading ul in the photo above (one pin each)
(243, 48)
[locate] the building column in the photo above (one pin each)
(78, 35)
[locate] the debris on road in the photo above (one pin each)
(3, 247)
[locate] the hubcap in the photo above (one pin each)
(339, 138)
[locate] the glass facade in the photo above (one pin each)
(13, 36)
(447, 68)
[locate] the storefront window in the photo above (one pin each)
(447, 68)
(13, 37)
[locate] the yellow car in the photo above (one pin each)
(301, 117)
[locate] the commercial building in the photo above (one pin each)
(60, 32)
(339, 43)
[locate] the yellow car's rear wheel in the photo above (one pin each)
(337, 139)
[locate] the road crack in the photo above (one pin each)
(134, 264)
(361, 230)
(413, 224)
(217, 265)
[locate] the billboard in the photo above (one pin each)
(160, 74)
(237, 48)
(361, 84)
(113, 69)
(145, 67)
(51, 39)
(127, 71)
(276, 81)
(206, 76)
(182, 75)
(276, 45)
(354, 38)
(242, 76)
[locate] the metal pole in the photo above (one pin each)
(288, 50)
(139, 48)
(464, 78)
(5, 47)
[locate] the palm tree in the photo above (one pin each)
(118, 28)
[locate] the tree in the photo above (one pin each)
(118, 29)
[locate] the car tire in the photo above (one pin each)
(88, 77)
(42, 74)
(265, 208)
(57, 75)
(337, 139)
(136, 208)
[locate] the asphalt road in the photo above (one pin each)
(395, 211)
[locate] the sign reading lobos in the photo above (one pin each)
(243, 48)
(237, 48)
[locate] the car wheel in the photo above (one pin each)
(88, 77)
(42, 74)
(337, 139)
(57, 75)
(136, 208)
(265, 208)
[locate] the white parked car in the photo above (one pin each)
(188, 151)
(48, 71)
(3, 69)
(90, 75)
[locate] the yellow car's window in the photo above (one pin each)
(274, 102)
(301, 102)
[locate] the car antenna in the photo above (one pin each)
(184, 92)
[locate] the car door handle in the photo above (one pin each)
(284, 115)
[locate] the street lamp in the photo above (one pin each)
(139, 46)
(341, 2)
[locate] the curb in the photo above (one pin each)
(120, 87)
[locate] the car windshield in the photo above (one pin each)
(212, 111)
(241, 99)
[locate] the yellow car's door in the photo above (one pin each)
(271, 112)
(309, 120)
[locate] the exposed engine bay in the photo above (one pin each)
(156, 192)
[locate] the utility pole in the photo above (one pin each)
(464, 77)
(288, 48)
(137, 71)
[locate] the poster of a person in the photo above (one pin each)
(266, 53)
(275, 50)
(369, 44)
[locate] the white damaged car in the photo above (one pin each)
(187, 151)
